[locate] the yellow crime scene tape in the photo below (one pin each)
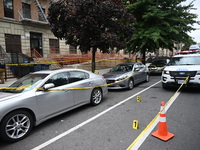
(154, 119)
(54, 62)
(24, 87)
(147, 127)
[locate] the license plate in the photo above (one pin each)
(181, 81)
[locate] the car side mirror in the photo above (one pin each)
(167, 61)
(136, 69)
(48, 86)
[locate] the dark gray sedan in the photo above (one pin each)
(44, 94)
(126, 75)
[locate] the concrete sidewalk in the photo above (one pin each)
(12, 80)
(8, 82)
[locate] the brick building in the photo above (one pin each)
(24, 29)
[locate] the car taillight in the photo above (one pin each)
(103, 78)
(194, 51)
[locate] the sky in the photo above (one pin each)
(196, 33)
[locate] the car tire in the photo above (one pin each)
(96, 97)
(16, 126)
(147, 77)
(164, 86)
(130, 84)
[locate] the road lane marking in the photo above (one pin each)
(145, 133)
(89, 120)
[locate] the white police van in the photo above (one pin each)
(180, 67)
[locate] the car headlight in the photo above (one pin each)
(198, 72)
(166, 72)
(121, 78)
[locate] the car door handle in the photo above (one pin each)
(89, 83)
(67, 91)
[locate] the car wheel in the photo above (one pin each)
(130, 84)
(16, 126)
(147, 78)
(164, 86)
(96, 97)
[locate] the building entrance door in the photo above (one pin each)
(36, 43)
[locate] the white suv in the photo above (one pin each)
(180, 67)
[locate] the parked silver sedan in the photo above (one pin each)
(44, 94)
(126, 75)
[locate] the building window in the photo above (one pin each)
(26, 10)
(54, 45)
(40, 15)
(8, 8)
(13, 43)
(72, 50)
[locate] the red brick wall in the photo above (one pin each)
(1, 9)
(34, 10)
(34, 14)
(17, 6)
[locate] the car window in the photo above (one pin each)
(77, 76)
(138, 65)
(59, 79)
(159, 62)
(190, 60)
(26, 83)
(122, 67)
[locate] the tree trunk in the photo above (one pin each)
(143, 57)
(93, 60)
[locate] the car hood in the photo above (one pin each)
(157, 65)
(5, 96)
(114, 74)
(183, 68)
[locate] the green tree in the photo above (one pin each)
(91, 24)
(159, 24)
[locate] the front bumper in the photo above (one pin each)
(155, 70)
(118, 85)
(177, 81)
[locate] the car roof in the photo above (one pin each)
(59, 70)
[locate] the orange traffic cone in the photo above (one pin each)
(162, 132)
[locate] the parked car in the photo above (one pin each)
(126, 75)
(180, 67)
(44, 94)
(157, 66)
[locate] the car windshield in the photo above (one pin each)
(25, 83)
(159, 62)
(190, 60)
(122, 67)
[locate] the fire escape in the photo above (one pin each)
(42, 19)
(40, 11)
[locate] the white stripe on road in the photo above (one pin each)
(89, 120)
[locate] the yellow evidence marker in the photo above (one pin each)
(138, 99)
(96, 72)
(135, 124)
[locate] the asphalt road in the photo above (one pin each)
(109, 125)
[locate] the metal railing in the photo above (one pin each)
(40, 10)
(4, 55)
(55, 57)
(33, 17)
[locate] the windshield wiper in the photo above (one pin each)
(187, 64)
(9, 91)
